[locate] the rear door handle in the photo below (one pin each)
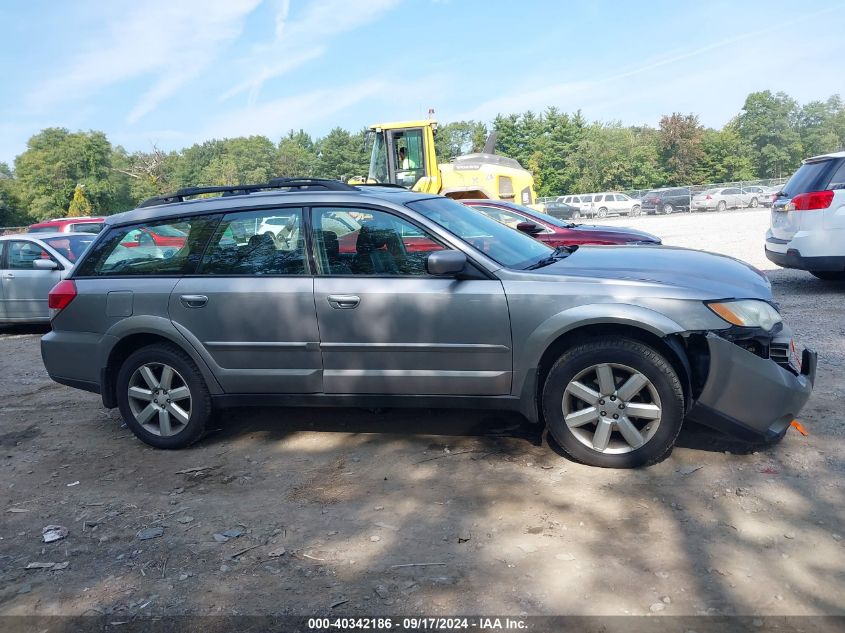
(343, 302)
(193, 301)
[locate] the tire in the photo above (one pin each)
(829, 275)
(177, 434)
(635, 211)
(576, 215)
(722, 206)
(668, 209)
(624, 357)
(602, 213)
(754, 203)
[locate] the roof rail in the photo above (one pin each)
(236, 190)
(381, 184)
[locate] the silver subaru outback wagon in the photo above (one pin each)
(311, 292)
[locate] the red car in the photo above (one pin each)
(161, 236)
(555, 232)
(68, 225)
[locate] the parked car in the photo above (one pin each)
(563, 210)
(555, 232)
(68, 225)
(807, 229)
(161, 237)
(30, 265)
(758, 195)
(572, 201)
(613, 203)
(612, 347)
(666, 200)
(721, 198)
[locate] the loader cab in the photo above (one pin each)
(405, 156)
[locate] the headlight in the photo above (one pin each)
(747, 313)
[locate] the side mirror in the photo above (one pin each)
(44, 264)
(445, 262)
(529, 227)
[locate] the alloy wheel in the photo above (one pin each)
(160, 399)
(667, 209)
(612, 408)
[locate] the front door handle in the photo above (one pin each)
(193, 301)
(343, 302)
(8, 275)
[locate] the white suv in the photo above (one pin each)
(808, 219)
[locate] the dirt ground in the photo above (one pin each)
(344, 511)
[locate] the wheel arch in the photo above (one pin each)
(663, 335)
(130, 339)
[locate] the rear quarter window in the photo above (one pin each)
(133, 251)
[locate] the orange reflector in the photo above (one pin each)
(799, 427)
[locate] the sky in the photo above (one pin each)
(171, 73)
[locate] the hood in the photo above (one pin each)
(617, 232)
(713, 276)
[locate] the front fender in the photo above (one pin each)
(591, 314)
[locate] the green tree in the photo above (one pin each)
(459, 138)
(55, 161)
(820, 126)
(297, 155)
(342, 155)
(680, 147)
(79, 204)
(11, 209)
(768, 123)
(724, 157)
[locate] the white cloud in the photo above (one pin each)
(702, 78)
(171, 40)
(302, 38)
(276, 117)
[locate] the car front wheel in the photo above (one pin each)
(668, 209)
(613, 402)
(162, 396)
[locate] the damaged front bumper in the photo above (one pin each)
(748, 396)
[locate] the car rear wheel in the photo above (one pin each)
(668, 209)
(613, 402)
(829, 275)
(162, 396)
(753, 204)
(576, 215)
(722, 206)
(602, 212)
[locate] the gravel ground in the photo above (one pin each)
(340, 512)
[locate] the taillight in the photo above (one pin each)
(61, 295)
(811, 200)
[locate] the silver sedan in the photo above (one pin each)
(30, 265)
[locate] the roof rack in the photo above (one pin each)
(237, 190)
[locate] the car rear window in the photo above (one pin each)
(816, 176)
(42, 229)
(87, 227)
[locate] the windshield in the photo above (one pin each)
(378, 160)
(72, 246)
(506, 246)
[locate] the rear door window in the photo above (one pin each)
(170, 247)
(252, 243)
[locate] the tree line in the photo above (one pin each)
(70, 173)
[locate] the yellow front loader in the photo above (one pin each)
(403, 154)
